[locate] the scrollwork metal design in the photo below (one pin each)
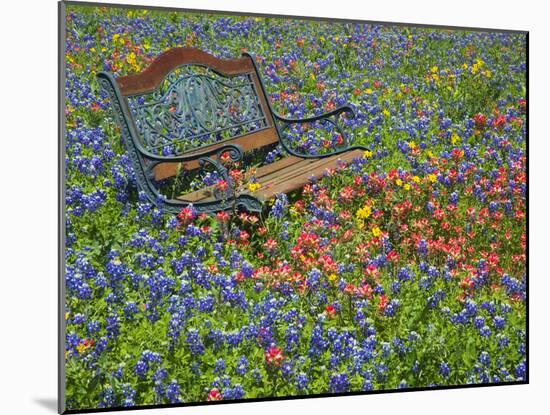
(334, 125)
(193, 107)
(234, 154)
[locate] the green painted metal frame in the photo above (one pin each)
(144, 161)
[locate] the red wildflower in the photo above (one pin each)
(365, 290)
(383, 302)
(393, 256)
(214, 395)
(346, 194)
(371, 271)
(480, 120)
(186, 215)
(350, 289)
(330, 310)
(274, 356)
(499, 121)
(467, 283)
(270, 244)
(347, 235)
(522, 104)
(243, 237)
(236, 175)
(222, 216)
(299, 205)
(222, 185)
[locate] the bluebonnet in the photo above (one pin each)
(129, 395)
(484, 358)
(444, 369)
(339, 383)
(391, 308)
(173, 392)
(302, 382)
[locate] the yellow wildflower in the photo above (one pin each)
(407, 187)
(312, 76)
(376, 231)
(455, 138)
(477, 66)
(432, 177)
(131, 58)
(385, 112)
(368, 91)
(367, 154)
(115, 37)
(412, 145)
(416, 179)
(363, 213)
(434, 69)
(332, 277)
(254, 186)
(399, 182)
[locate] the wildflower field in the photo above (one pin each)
(405, 268)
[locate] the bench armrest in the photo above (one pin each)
(330, 117)
(345, 108)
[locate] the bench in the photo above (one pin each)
(189, 113)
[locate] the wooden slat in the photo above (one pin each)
(274, 167)
(302, 167)
(295, 179)
(247, 142)
(153, 75)
(197, 195)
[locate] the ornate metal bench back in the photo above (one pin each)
(184, 101)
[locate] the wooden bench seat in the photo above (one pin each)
(282, 176)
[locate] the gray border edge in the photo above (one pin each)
(61, 404)
(61, 327)
(288, 16)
